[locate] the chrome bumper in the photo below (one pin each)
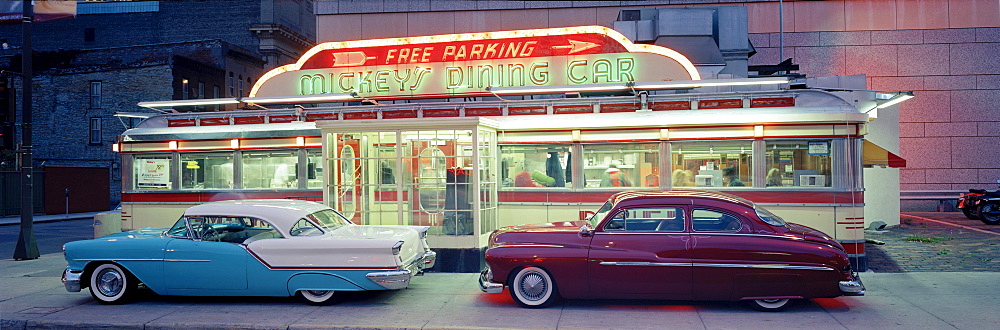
(430, 258)
(71, 280)
(853, 288)
(392, 280)
(486, 282)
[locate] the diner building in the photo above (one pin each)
(468, 131)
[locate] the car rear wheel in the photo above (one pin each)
(533, 287)
(989, 213)
(112, 284)
(317, 297)
(770, 305)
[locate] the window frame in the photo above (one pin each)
(96, 136)
(96, 94)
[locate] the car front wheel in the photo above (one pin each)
(770, 305)
(111, 284)
(317, 297)
(533, 287)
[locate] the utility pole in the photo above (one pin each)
(27, 247)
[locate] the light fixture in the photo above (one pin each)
(893, 99)
(636, 86)
(172, 145)
(234, 143)
(313, 98)
(300, 141)
(115, 147)
(185, 103)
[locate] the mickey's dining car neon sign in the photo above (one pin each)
(461, 65)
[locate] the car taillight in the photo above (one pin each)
(396, 248)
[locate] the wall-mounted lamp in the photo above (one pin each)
(300, 141)
(116, 147)
(172, 145)
(234, 143)
(892, 99)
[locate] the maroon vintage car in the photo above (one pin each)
(676, 245)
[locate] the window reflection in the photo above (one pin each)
(621, 165)
(270, 169)
(712, 164)
(798, 163)
(535, 166)
(207, 171)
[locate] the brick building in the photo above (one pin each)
(116, 54)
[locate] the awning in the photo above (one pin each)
(874, 155)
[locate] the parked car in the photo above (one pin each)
(250, 248)
(676, 245)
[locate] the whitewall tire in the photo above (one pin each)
(317, 297)
(770, 305)
(112, 284)
(533, 287)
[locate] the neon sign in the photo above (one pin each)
(463, 65)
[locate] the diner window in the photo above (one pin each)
(648, 219)
(535, 166)
(621, 165)
(151, 172)
(270, 169)
(314, 168)
(95, 130)
(95, 94)
(240, 88)
(801, 163)
(712, 164)
(207, 171)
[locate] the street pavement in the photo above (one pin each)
(904, 297)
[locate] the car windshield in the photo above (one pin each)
(179, 229)
(600, 214)
(329, 219)
(769, 217)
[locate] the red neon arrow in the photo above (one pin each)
(350, 58)
(577, 46)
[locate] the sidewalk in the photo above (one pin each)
(16, 219)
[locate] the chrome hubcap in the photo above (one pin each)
(110, 282)
(317, 293)
(533, 286)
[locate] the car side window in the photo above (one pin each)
(648, 219)
(305, 228)
(715, 221)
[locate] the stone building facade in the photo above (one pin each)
(943, 51)
(128, 52)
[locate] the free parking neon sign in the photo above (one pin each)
(463, 65)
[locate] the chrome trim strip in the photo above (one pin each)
(689, 264)
(765, 266)
(119, 259)
(664, 264)
(182, 260)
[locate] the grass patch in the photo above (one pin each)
(924, 239)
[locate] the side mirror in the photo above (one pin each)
(586, 231)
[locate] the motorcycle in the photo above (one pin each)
(982, 205)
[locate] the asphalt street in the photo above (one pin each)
(50, 236)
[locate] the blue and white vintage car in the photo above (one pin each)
(250, 248)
